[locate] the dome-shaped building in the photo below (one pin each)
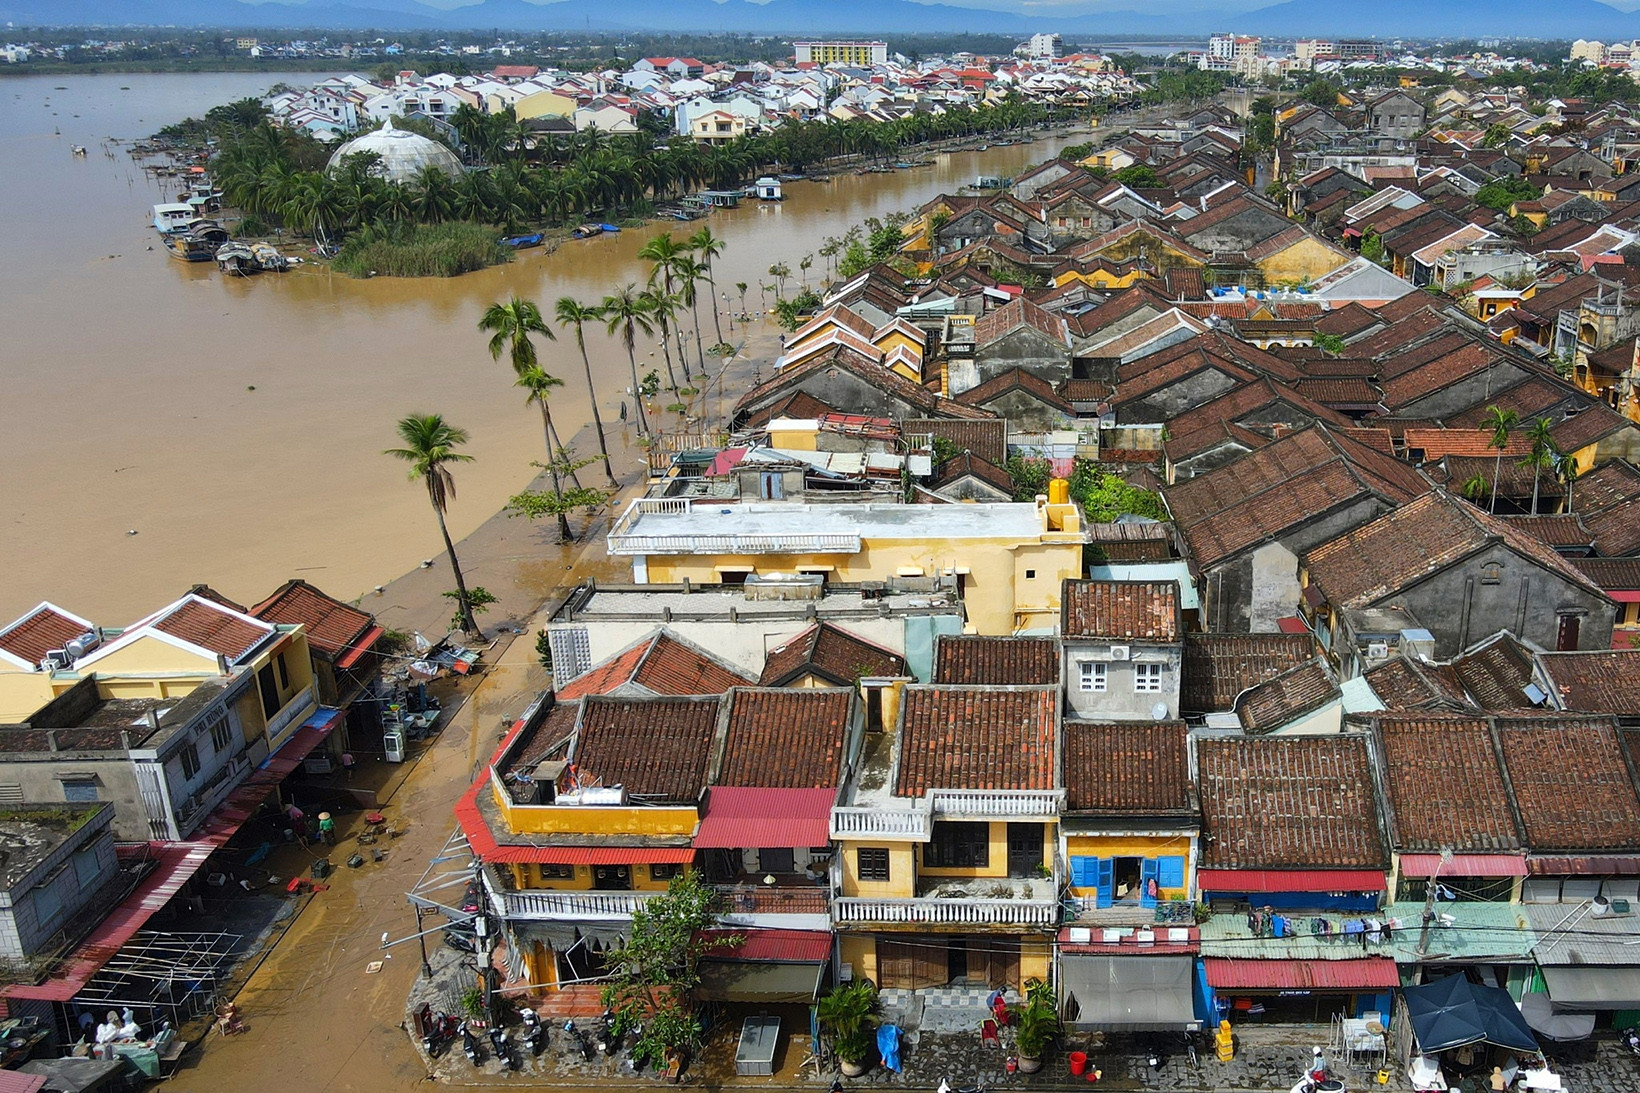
(403, 154)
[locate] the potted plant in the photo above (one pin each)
(848, 1012)
(1038, 1022)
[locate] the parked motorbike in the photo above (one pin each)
(469, 1047)
(502, 1048)
(1631, 1040)
(440, 1035)
(535, 1033)
(609, 1042)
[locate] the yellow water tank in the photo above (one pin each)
(1059, 491)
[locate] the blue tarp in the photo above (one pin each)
(1452, 1012)
(888, 1045)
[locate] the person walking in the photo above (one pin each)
(327, 829)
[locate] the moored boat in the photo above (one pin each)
(522, 241)
(198, 241)
(610, 228)
(171, 216)
(587, 231)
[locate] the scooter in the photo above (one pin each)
(501, 1047)
(439, 1037)
(608, 1041)
(1631, 1040)
(469, 1047)
(535, 1033)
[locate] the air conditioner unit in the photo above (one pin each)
(1377, 650)
(1120, 652)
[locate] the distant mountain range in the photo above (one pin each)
(1381, 19)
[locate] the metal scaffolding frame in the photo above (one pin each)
(163, 977)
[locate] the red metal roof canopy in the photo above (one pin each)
(779, 946)
(1291, 880)
(738, 817)
(1365, 973)
(1464, 865)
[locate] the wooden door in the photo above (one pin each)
(1566, 640)
(993, 961)
(909, 965)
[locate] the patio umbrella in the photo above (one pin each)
(1452, 1012)
(1540, 1013)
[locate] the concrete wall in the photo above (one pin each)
(1166, 403)
(1460, 395)
(1119, 701)
(46, 899)
(1027, 348)
(38, 776)
(1026, 413)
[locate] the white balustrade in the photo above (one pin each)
(853, 822)
(573, 905)
(996, 802)
(853, 911)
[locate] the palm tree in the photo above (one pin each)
(665, 252)
(571, 312)
(625, 313)
(1501, 423)
(1566, 469)
(510, 326)
(539, 385)
(1474, 487)
(1542, 454)
(690, 275)
(430, 445)
(663, 307)
(709, 246)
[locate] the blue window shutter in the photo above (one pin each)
(1107, 881)
(1084, 872)
(1170, 871)
(1147, 877)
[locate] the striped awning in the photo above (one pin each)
(1375, 973)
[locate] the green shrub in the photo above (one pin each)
(421, 250)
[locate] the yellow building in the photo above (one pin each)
(948, 847)
(861, 54)
(544, 104)
(1007, 561)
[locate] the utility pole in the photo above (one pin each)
(1429, 903)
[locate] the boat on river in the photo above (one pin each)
(522, 241)
(246, 259)
(610, 229)
(172, 216)
(587, 231)
(197, 242)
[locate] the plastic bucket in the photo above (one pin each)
(1079, 1062)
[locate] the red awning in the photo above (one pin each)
(606, 855)
(177, 862)
(13, 1082)
(1291, 880)
(1464, 865)
(1365, 973)
(1568, 866)
(739, 817)
(366, 642)
(1292, 624)
(779, 946)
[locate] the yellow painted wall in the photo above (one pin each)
(148, 654)
(1035, 959)
(252, 722)
(799, 439)
(23, 693)
(998, 859)
(895, 338)
(528, 875)
(902, 872)
(860, 953)
(1132, 846)
(595, 819)
(1100, 278)
(544, 104)
(1306, 259)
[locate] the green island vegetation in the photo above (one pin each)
(398, 249)
(519, 179)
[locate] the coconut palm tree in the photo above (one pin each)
(510, 326)
(690, 275)
(430, 445)
(665, 252)
(540, 385)
(709, 246)
(1474, 487)
(664, 306)
(625, 313)
(571, 312)
(1566, 470)
(1542, 454)
(1500, 423)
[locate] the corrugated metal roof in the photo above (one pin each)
(13, 1082)
(1291, 880)
(739, 817)
(1365, 973)
(786, 946)
(610, 855)
(1566, 865)
(1464, 865)
(1569, 933)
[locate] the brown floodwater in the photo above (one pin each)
(235, 426)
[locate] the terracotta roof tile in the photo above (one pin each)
(996, 661)
(657, 748)
(1563, 530)
(1408, 686)
(662, 664)
(986, 438)
(1604, 682)
(969, 465)
(1467, 806)
(40, 631)
(212, 627)
(1219, 667)
(786, 739)
(1571, 783)
(1015, 379)
(1015, 313)
(332, 626)
(977, 738)
(832, 653)
(1120, 610)
(1295, 692)
(1612, 481)
(1616, 528)
(1611, 574)
(1128, 768)
(1289, 802)
(1497, 673)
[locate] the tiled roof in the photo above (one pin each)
(1288, 802)
(987, 439)
(1339, 391)
(1604, 682)
(996, 661)
(1612, 481)
(1616, 528)
(1019, 312)
(1218, 667)
(977, 738)
(1120, 610)
(40, 631)
(657, 748)
(1127, 768)
(1497, 673)
(1466, 805)
(788, 739)
(663, 664)
(1563, 530)
(332, 626)
(1015, 379)
(1422, 537)
(832, 653)
(969, 465)
(213, 627)
(1433, 443)
(1571, 783)
(1288, 696)
(1406, 685)
(1611, 574)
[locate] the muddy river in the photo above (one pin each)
(165, 424)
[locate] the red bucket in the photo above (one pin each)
(1079, 1062)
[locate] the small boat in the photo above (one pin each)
(198, 242)
(522, 241)
(610, 229)
(768, 189)
(268, 258)
(173, 216)
(587, 231)
(902, 165)
(237, 259)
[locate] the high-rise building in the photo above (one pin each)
(841, 53)
(1043, 47)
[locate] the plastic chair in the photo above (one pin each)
(988, 1033)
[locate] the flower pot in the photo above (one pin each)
(1030, 1064)
(852, 1069)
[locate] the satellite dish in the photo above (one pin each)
(1158, 712)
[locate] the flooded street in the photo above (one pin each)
(236, 425)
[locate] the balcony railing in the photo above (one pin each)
(573, 905)
(758, 899)
(623, 539)
(944, 912)
(853, 822)
(996, 802)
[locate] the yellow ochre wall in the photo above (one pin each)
(902, 872)
(595, 819)
(1306, 259)
(528, 875)
(998, 866)
(1132, 846)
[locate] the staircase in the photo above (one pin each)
(577, 1000)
